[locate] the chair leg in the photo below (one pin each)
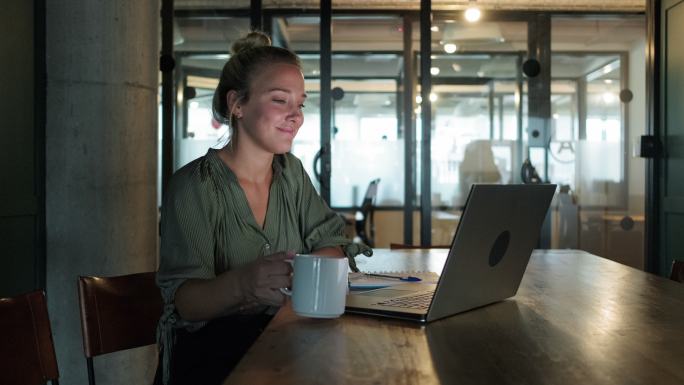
(677, 273)
(91, 371)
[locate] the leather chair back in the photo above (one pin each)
(27, 353)
(118, 313)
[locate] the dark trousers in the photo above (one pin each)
(207, 356)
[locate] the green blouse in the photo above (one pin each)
(207, 227)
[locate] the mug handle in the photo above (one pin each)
(285, 290)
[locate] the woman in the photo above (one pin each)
(231, 218)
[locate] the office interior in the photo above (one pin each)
(104, 100)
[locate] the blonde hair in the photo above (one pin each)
(248, 55)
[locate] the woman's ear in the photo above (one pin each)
(234, 105)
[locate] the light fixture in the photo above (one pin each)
(608, 97)
(433, 98)
(472, 13)
(450, 48)
(434, 71)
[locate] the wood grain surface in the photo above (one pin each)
(577, 319)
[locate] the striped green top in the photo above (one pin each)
(207, 227)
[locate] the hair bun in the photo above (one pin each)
(251, 40)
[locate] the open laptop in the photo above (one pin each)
(496, 234)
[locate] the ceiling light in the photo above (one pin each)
(419, 99)
(456, 67)
(473, 13)
(434, 28)
(608, 97)
(434, 70)
(450, 48)
(433, 97)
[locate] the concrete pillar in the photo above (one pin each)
(101, 139)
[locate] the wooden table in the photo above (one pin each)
(577, 319)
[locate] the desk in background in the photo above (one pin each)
(577, 319)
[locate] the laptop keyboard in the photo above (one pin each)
(415, 301)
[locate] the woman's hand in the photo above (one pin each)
(256, 283)
(261, 280)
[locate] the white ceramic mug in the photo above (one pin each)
(319, 285)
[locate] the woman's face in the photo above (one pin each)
(273, 114)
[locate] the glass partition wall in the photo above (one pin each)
(366, 142)
(201, 46)
(479, 100)
(598, 109)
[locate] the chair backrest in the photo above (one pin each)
(677, 273)
(365, 215)
(118, 313)
(528, 173)
(371, 194)
(402, 246)
(27, 353)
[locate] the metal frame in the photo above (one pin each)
(624, 112)
(91, 371)
(539, 87)
(39, 142)
(326, 97)
(426, 123)
(409, 82)
(167, 99)
(255, 18)
(652, 204)
(519, 118)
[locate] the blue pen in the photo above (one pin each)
(405, 279)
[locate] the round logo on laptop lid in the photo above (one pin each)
(499, 248)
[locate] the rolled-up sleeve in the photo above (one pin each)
(186, 252)
(187, 244)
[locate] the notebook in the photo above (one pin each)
(492, 245)
(363, 281)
